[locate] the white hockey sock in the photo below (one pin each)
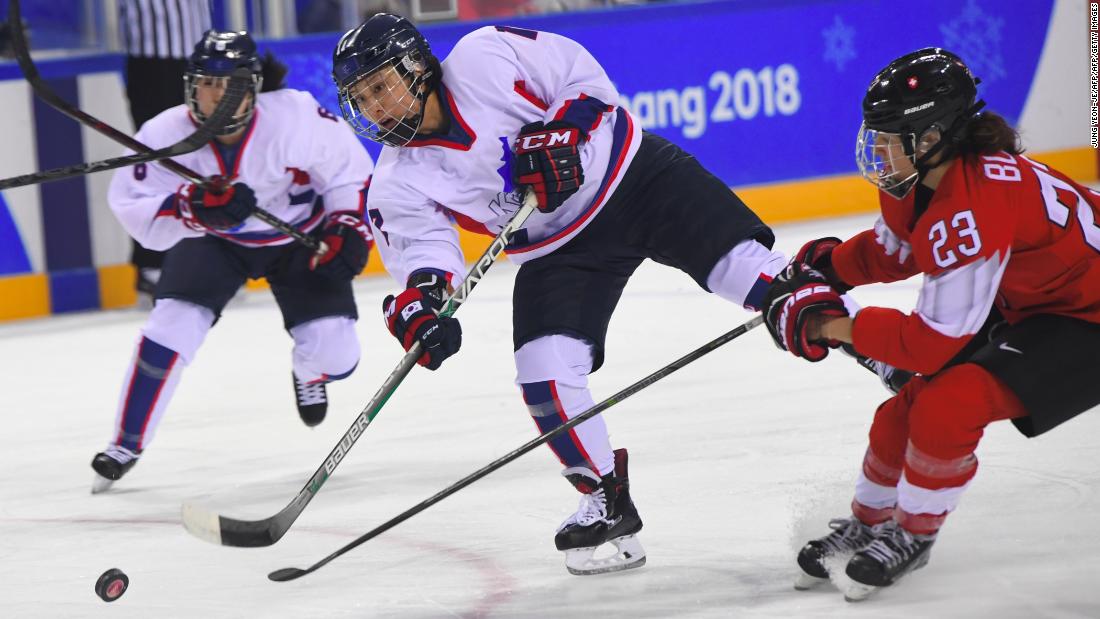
(325, 349)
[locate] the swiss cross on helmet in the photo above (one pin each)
(916, 107)
(214, 59)
(384, 72)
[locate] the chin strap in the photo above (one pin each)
(947, 139)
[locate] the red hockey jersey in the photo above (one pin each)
(1000, 229)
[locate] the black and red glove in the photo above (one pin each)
(798, 295)
(412, 317)
(548, 160)
(218, 209)
(818, 254)
(347, 242)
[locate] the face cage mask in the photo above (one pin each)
(394, 93)
(191, 83)
(873, 165)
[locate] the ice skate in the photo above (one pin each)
(893, 553)
(111, 465)
(606, 515)
(848, 536)
(312, 400)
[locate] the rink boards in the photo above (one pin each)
(776, 119)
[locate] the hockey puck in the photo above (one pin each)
(111, 585)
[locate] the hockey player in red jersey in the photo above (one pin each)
(1006, 326)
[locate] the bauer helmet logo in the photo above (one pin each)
(923, 106)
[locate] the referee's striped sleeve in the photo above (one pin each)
(162, 28)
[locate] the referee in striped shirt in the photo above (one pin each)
(158, 36)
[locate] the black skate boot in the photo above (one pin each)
(606, 514)
(111, 465)
(893, 553)
(312, 399)
(892, 378)
(849, 535)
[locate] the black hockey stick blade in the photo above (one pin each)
(288, 573)
(223, 530)
(291, 573)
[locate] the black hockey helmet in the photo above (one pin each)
(390, 47)
(924, 98)
(215, 58)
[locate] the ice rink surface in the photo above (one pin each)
(736, 461)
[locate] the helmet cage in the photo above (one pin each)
(194, 78)
(398, 88)
(878, 163)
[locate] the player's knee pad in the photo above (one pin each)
(561, 358)
(325, 348)
(890, 433)
(743, 274)
(179, 326)
(948, 417)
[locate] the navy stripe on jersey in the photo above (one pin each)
(154, 363)
(619, 141)
(547, 411)
(303, 198)
(523, 32)
(584, 112)
(754, 300)
(459, 135)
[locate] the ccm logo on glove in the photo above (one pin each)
(549, 139)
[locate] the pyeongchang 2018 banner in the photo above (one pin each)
(762, 91)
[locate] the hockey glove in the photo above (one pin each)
(548, 160)
(347, 245)
(818, 254)
(797, 295)
(218, 210)
(411, 317)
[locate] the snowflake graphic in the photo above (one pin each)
(839, 45)
(976, 36)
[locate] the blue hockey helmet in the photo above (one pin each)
(216, 56)
(384, 70)
(922, 101)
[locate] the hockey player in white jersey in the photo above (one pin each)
(284, 153)
(511, 109)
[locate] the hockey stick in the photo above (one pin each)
(227, 531)
(223, 113)
(291, 573)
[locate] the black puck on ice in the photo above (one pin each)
(111, 585)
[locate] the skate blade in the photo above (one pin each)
(629, 555)
(101, 484)
(805, 582)
(857, 592)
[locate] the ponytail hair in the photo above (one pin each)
(989, 133)
(274, 73)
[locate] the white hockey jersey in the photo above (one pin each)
(495, 81)
(301, 161)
